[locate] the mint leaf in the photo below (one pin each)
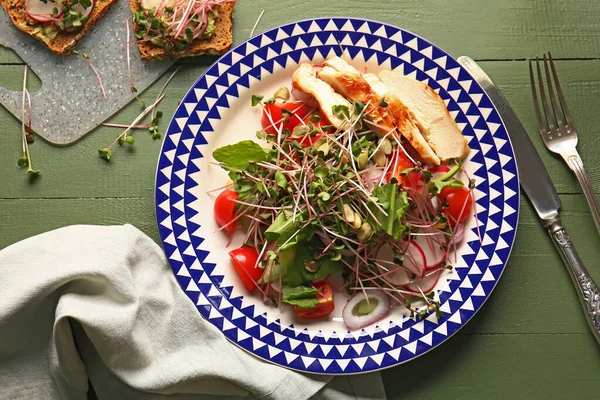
(238, 155)
(301, 296)
(395, 203)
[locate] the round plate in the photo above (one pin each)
(216, 111)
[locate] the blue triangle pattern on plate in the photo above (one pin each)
(335, 352)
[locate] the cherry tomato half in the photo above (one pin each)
(294, 114)
(224, 209)
(308, 140)
(325, 307)
(408, 181)
(245, 263)
(456, 203)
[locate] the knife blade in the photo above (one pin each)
(532, 174)
(543, 196)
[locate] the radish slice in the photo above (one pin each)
(432, 246)
(458, 234)
(84, 12)
(414, 262)
(426, 284)
(42, 12)
(414, 258)
(393, 274)
(355, 321)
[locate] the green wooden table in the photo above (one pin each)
(530, 339)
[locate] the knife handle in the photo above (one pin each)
(587, 290)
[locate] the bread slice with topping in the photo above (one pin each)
(219, 42)
(46, 30)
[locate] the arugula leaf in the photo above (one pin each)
(301, 296)
(238, 155)
(395, 203)
(293, 261)
(282, 228)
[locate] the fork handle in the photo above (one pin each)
(575, 163)
(587, 290)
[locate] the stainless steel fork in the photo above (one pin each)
(557, 129)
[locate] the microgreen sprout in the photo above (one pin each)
(25, 160)
(86, 57)
(106, 153)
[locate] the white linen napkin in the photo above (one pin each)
(100, 304)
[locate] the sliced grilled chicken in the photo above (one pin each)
(305, 79)
(428, 109)
(350, 83)
(403, 120)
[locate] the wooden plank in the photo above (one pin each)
(20, 219)
(501, 367)
(535, 295)
(483, 29)
(89, 176)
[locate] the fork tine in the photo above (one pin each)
(553, 100)
(563, 102)
(547, 111)
(536, 103)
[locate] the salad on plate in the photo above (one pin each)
(355, 183)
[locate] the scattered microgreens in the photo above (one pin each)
(326, 207)
(25, 161)
(87, 58)
(106, 153)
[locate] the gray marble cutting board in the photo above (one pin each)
(70, 102)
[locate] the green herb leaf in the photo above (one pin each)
(301, 296)
(382, 103)
(321, 172)
(293, 261)
(340, 111)
(23, 162)
(33, 171)
(256, 100)
(130, 140)
(239, 155)
(286, 113)
(397, 204)
(282, 228)
(280, 180)
(105, 153)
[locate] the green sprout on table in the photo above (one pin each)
(125, 137)
(25, 161)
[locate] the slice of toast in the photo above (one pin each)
(219, 42)
(64, 42)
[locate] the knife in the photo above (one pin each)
(543, 196)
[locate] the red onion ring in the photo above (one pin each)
(353, 321)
